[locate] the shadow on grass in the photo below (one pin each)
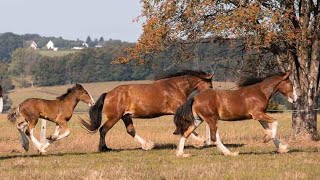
(45, 155)
(157, 147)
(291, 151)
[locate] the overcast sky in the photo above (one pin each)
(72, 19)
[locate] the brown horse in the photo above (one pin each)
(248, 102)
(162, 97)
(58, 111)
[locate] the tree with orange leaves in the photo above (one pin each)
(289, 29)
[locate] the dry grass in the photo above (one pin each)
(76, 157)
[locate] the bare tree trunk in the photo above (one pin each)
(304, 118)
(306, 83)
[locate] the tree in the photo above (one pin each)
(289, 29)
(101, 40)
(89, 41)
(8, 43)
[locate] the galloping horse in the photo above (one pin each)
(162, 97)
(250, 101)
(58, 111)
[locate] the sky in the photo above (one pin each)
(72, 19)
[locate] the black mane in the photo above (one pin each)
(199, 74)
(69, 91)
(250, 80)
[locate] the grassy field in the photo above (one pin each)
(76, 157)
(56, 53)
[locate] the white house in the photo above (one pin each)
(50, 45)
(83, 46)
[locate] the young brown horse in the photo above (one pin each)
(160, 98)
(248, 102)
(58, 111)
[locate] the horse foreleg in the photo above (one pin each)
(25, 141)
(282, 148)
(145, 144)
(55, 134)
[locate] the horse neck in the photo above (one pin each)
(71, 101)
(270, 86)
(186, 85)
(181, 84)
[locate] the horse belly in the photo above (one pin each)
(233, 113)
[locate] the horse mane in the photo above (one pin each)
(69, 91)
(248, 80)
(199, 74)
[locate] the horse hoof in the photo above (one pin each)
(283, 149)
(182, 155)
(104, 149)
(41, 151)
(148, 145)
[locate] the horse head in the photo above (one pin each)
(83, 95)
(285, 87)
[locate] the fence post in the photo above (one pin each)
(43, 138)
(208, 135)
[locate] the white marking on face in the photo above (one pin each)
(92, 101)
(290, 100)
(1, 104)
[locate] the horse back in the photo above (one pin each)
(140, 100)
(228, 104)
(36, 108)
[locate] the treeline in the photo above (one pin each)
(88, 65)
(10, 42)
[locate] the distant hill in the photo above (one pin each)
(10, 42)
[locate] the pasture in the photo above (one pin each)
(55, 53)
(76, 157)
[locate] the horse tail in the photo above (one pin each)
(95, 115)
(13, 114)
(183, 118)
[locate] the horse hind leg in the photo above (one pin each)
(215, 137)
(145, 144)
(103, 131)
(198, 141)
(184, 137)
(25, 141)
(37, 144)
